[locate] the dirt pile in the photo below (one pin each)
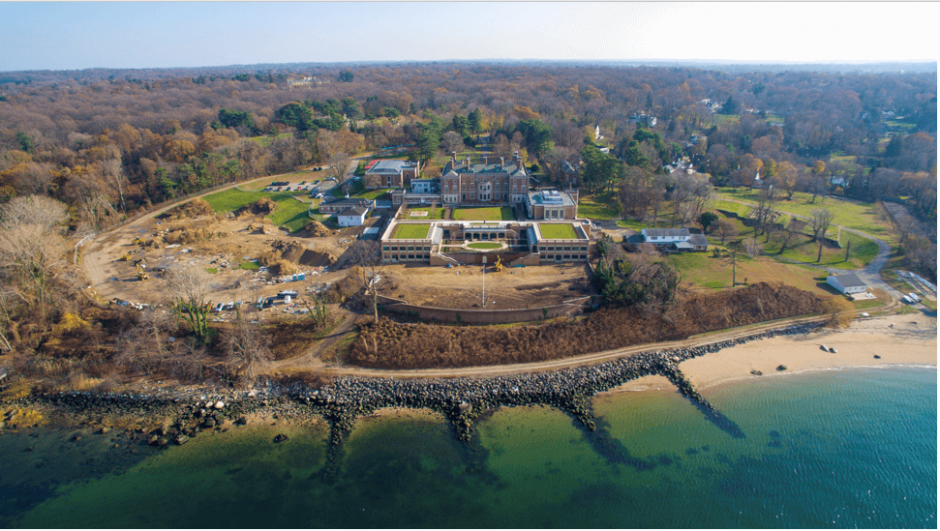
(263, 206)
(317, 258)
(190, 236)
(190, 210)
(316, 229)
(390, 345)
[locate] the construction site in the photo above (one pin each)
(249, 261)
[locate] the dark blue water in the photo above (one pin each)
(853, 448)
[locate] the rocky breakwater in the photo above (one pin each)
(174, 416)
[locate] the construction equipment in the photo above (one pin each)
(141, 274)
(125, 257)
(499, 264)
(251, 228)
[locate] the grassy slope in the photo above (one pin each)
(860, 216)
(291, 212)
(595, 207)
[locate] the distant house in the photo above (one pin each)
(352, 217)
(336, 206)
(846, 283)
(675, 239)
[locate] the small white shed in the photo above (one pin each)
(352, 217)
(847, 283)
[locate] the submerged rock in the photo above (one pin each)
(280, 438)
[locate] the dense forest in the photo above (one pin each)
(88, 149)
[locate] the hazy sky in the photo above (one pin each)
(39, 36)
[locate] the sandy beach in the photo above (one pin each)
(899, 340)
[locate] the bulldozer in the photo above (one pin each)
(125, 257)
(498, 266)
(141, 274)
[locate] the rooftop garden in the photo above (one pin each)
(411, 231)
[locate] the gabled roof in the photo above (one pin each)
(849, 280)
(354, 211)
(698, 240)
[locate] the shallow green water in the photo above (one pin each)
(833, 449)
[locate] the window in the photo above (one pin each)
(411, 257)
(385, 248)
(394, 248)
(567, 248)
(411, 248)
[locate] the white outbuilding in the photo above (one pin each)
(847, 283)
(352, 217)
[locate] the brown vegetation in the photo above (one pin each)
(190, 210)
(390, 345)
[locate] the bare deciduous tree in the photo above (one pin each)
(821, 219)
(366, 257)
(189, 288)
(246, 347)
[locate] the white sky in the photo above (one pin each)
(140, 35)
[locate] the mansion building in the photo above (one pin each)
(491, 182)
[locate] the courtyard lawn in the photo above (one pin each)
(372, 194)
(411, 232)
(432, 213)
(866, 217)
(484, 214)
(557, 231)
(484, 245)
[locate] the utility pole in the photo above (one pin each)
(483, 301)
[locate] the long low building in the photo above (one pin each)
(523, 243)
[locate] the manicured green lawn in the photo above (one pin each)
(484, 245)
(484, 214)
(860, 216)
(433, 213)
(801, 248)
(730, 206)
(557, 231)
(411, 232)
(291, 213)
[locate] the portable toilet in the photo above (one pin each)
(287, 299)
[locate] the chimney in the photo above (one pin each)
(468, 163)
(486, 160)
(502, 161)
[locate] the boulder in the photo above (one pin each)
(219, 404)
(180, 440)
(152, 441)
(280, 438)
(104, 430)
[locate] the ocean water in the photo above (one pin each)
(850, 448)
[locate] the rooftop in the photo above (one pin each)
(849, 280)
(383, 167)
(665, 232)
(354, 211)
(551, 198)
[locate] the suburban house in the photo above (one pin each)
(675, 239)
(391, 174)
(847, 283)
(335, 206)
(352, 217)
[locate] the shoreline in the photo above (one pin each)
(171, 414)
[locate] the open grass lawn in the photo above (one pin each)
(433, 213)
(596, 207)
(718, 118)
(293, 178)
(557, 231)
(638, 225)
(484, 245)
(730, 206)
(704, 271)
(803, 249)
(484, 214)
(411, 231)
(266, 140)
(291, 212)
(860, 216)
